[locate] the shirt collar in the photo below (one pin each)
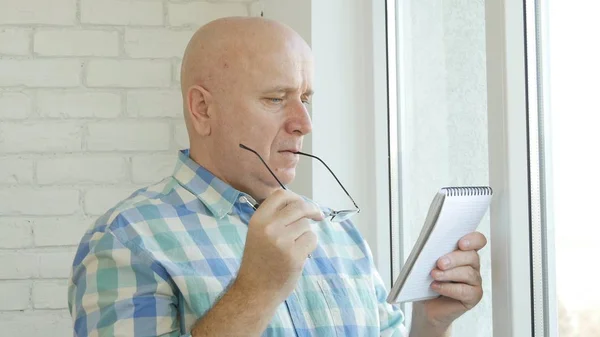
(217, 195)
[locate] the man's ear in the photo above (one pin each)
(198, 101)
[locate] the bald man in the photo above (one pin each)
(221, 247)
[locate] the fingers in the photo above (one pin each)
(294, 230)
(464, 274)
(297, 210)
(276, 201)
(459, 258)
(467, 294)
(472, 241)
(306, 243)
(287, 207)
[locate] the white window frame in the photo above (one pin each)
(508, 158)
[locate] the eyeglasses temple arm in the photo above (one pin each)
(330, 171)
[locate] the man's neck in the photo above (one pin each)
(258, 193)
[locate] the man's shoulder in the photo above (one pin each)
(138, 215)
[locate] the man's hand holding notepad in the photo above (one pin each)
(454, 213)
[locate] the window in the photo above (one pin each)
(504, 92)
(564, 118)
(441, 123)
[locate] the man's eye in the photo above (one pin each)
(307, 103)
(276, 100)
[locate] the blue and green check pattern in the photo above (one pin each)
(158, 261)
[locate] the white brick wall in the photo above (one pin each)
(68, 42)
(90, 111)
(195, 13)
(122, 12)
(40, 136)
(18, 291)
(143, 42)
(15, 105)
(14, 41)
(78, 104)
(129, 73)
(40, 72)
(38, 12)
(49, 295)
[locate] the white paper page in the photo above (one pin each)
(460, 215)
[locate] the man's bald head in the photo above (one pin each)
(222, 51)
(247, 81)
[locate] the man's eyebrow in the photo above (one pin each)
(287, 89)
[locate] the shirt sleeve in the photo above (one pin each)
(391, 318)
(115, 292)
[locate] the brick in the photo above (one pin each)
(59, 231)
(18, 265)
(177, 71)
(14, 41)
(98, 201)
(15, 233)
(72, 170)
(128, 73)
(40, 137)
(14, 105)
(36, 323)
(29, 201)
(122, 12)
(152, 168)
(55, 12)
(16, 171)
(40, 73)
(49, 294)
(68, 104)
(181, 138)
(128, 136)
(199, 13)
(155, 103)
(156, 42)
(55, 264)
(15, 295)
(76, 43)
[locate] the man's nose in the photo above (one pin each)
(298, 120)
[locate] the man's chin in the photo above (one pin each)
(286, 175)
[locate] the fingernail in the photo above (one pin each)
(466, 243)
(436, 285)
(438, 274)
(445, 262)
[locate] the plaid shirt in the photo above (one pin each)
(157, 262)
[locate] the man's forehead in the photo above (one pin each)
(282, 73)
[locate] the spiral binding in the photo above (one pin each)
(454, 191)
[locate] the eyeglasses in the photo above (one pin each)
(335, 216)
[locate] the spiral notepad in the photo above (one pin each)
(454, 213)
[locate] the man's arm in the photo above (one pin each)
(278, 241)
(103, 302)
(421, 327)
(252, 312)
(114, 292)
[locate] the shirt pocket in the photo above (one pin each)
(352, 304)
